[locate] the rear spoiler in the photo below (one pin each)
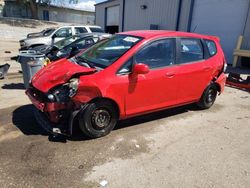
(215, 38)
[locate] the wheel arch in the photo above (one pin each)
(218, 87)
(113, 102)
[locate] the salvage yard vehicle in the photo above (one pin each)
(45, 49)
(71, 46)
(132, 73)
(49, 37)
(45, 32)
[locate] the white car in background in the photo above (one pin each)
(57, 34)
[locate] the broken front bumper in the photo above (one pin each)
(48, 116)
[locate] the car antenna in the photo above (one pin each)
(194, 28)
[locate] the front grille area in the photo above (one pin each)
(38, 94)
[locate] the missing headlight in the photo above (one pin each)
(73, 86)
(63, 93)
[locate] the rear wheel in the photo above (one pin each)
(208, 97)
(98, 119)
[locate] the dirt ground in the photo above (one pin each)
(181, 147)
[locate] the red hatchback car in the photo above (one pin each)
(130, 74)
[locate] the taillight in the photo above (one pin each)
(224, 65)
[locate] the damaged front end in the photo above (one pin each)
(56, 109)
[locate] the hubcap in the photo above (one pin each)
(211, 96)
(101, 118)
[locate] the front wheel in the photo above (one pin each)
(98, 119)
(208, 97)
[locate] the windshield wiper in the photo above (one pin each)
(84, 60)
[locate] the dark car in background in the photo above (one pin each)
(70, 46)
(80, 42)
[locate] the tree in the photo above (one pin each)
(33, 5)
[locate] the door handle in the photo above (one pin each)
(170, 74)
(207, 68)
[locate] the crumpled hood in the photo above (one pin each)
(57, 73)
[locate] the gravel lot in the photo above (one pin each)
(182, 147)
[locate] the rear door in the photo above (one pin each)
(194, 73)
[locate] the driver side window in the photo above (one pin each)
(158, 54)
(64, 32)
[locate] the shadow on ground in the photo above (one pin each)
(14, 86)
(23, 118)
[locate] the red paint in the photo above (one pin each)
(57, 73)
(144, 90)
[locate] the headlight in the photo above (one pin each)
(73, 86)
(51, 97)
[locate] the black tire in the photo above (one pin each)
(98, 119)
(208, 97)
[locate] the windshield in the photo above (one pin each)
(48, 32)
(60, 44)
(96, 30)
(108, 51)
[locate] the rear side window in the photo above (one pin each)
(96, 30)
(80, 30)
(191, 50)
(211, 47)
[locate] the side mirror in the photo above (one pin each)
(140, 68)
(53, 36)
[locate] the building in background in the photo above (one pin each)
(225, 19)
(49, 13)
(1, 7)
(61, 14)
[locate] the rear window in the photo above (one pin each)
(96, 30)
(211, 47)
(80, 30)
(191, 50)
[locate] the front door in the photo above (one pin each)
(156, 89)
(62, 34)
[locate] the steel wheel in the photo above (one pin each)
(100, 118)
(208, 97)
(211, 96)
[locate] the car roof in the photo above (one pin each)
(90, 34)
(95, 26)
(147, 34)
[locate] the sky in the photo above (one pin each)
(82, 4)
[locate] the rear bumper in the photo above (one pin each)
(222, 82)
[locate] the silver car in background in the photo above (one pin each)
(53, 35)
